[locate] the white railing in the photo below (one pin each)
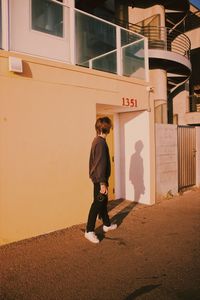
(99, 57)
(110, 48)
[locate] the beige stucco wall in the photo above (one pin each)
(181, 106)
(166, 160)
(46, 127)
(181, 102)
(192, 118)
(194, 36)
(139, 14)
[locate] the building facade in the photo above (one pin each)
(55, 81)
(62, 64)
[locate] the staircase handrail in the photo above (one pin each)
(165, 39)
(171, 40)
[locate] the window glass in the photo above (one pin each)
(94, 38)
(47, 17)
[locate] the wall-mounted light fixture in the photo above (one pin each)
(15, 64)
(150, 89)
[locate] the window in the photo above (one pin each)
(47, 17)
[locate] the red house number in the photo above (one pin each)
(129, 102)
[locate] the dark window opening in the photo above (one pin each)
(47, 17)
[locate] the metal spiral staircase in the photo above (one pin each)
(192, 24)
(169, 47)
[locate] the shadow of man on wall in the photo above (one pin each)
(136, 171)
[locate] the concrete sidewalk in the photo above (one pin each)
(154, 254)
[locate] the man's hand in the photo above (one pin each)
(104, 189)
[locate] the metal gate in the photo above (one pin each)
(186, 156)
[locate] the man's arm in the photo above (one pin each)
(100, 163)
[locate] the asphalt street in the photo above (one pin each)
(154, 254)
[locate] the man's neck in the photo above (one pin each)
(103, 135)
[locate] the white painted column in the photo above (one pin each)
(119, 51)
(181, 107)
(158, 79)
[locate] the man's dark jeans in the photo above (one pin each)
(97, 208)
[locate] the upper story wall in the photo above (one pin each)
(41, 30)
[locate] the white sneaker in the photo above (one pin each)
(108, 228)
(91, 236)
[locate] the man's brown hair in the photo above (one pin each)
(103, 125)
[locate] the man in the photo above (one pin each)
(99, 171)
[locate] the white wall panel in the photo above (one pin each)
(135, 156)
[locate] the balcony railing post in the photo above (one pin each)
(5, 25)
(90, 64)
(72, 32)
(119, 51)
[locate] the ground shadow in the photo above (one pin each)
(113, 203)
(136, 171)
(143, 290)
(117, 219)
(189, 294)
(120, 216)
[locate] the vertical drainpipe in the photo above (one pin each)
(170, 109)
(146, 59)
